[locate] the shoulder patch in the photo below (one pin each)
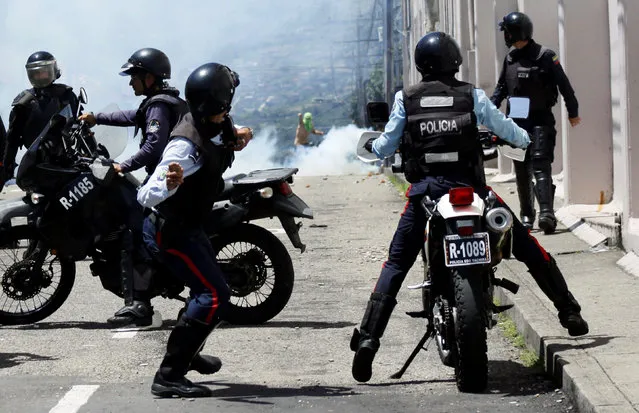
(195, 155)
(162, 173)
(154, 126)
(555, 59)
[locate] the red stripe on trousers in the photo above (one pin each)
(189, 263)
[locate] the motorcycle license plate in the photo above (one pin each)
(74, 193)
(469, 250)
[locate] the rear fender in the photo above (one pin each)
(447, 210)
(293, 231)
(291, 205)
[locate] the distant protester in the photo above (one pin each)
(304, 129)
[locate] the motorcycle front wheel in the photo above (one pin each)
(31, 293)
(258, 270)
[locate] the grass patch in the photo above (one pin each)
(401, 185)
(507, 326)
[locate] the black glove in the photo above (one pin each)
(369, 145)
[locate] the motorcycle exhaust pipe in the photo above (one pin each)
(499, 220)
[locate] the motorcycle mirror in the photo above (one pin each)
(83, 96)
(83, 100)
(362, 153)
(377, 112)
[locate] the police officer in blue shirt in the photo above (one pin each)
(436, 158)
(156, 116)
(183, 189)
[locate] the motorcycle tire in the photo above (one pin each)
(11, 266)
(471, 368)
(240, 311)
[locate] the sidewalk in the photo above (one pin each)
(601, 370)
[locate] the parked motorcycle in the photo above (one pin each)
(77, 206)
(466, 237)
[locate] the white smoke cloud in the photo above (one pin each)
(335, 155)
(91, 40)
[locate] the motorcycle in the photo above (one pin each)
(466, 237)
(77, 206)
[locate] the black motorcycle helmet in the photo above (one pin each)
(516, 26)
(42, 69)
(149, 60)
(437, 53)
(209, 90)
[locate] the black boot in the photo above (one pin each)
(184, 343)
(365, 342)
(137, 314)
(523, 177)
(551, 281)
(545, 192)
(137, 310)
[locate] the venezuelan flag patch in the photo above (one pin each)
(555, 59)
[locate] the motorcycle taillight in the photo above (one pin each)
(285, 189)
(461, 196)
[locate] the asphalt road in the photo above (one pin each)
(300, 361)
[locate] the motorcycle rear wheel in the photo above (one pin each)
(259, 272)
(29, 294)
(471, 369)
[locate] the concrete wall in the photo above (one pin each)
(598, 45)
(587, 147)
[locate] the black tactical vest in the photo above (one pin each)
(42, 104)
(178, 108)
(526, 77)
(194, 199)
(440, 137)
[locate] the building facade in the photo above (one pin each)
(598, 45)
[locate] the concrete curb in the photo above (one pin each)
(575, 371)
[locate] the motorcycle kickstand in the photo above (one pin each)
(430, 330)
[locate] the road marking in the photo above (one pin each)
(125, 334)
(277, 231)
(75, 398)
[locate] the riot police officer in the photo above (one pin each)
(436, 158)
(34, 107)
(183, 189)
(156, 116)
(533, 73)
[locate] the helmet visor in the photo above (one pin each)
(42, 73)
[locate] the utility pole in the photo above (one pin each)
(388, 51)
(359, 87)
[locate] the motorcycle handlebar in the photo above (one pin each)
(488, 138)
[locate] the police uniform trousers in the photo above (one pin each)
(538, 163)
